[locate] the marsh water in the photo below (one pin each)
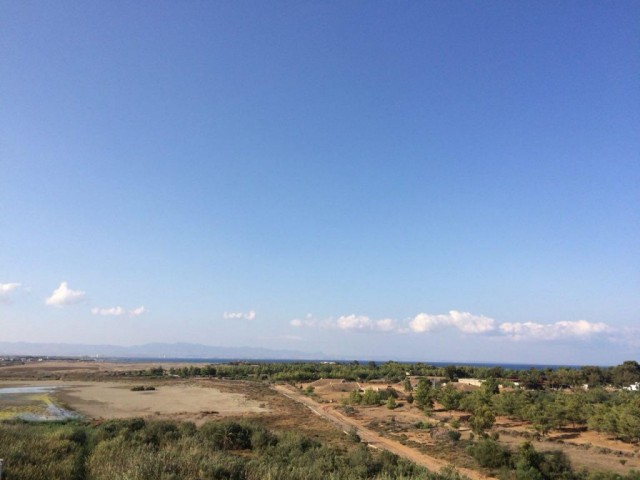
(32, 404)
(25, 390)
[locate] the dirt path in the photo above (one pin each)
(374, 439)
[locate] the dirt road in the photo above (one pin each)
(374, 439)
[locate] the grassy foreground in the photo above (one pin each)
(166, 450)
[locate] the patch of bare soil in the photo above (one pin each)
(583, 455)
(116, 400)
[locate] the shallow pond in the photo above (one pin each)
(32, 403)
(21, 390)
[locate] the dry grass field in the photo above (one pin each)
(96, 390)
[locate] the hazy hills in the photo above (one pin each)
(153, 350)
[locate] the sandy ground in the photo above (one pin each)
(179, 400)
(114, 400)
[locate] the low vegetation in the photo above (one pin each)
(165, 450)
(142, 388)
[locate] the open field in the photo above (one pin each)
(106, 400)
(97, 390)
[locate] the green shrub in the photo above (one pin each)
(226, 435)
(490, 453)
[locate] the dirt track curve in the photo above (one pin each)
(374, 439)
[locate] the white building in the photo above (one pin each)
(476, 382)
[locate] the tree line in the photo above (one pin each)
(621, 375)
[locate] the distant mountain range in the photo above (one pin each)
(154, 350)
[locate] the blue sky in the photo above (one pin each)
(400, 180)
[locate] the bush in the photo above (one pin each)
(490, 453)
(353, 435)
(142, 388)
(226, 435)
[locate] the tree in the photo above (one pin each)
(353, 435)
(472, 401)
(626, 374)
(482, 419)
(451, 372)
(449, 397)
(391, 403)
(628, 421)
(370, 397)
(489, 453)
(490, 386)
(575, 408)
(509, 404)
(532, 379)
(407, 385)
(541, 417)
(528, 462)
(423, 395)
(355, 397)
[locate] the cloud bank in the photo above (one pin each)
(6, 289)
(250, 315)
(63, 296)
(466, 323)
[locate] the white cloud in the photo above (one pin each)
(463, 321)
(354, 322)
(137, 311)
(386, 324)
(118, 311)
(111, 311)
(250, 315)
(361, 322)
(6, 289)
(553, 331)
(347, 322)
(308, 321)
(63, 295)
